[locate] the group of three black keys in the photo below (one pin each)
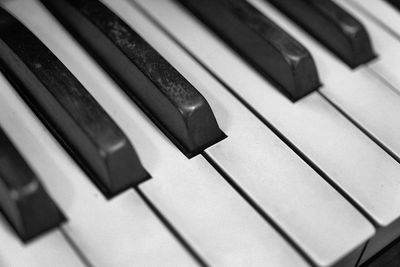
(94, 140)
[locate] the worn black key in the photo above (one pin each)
(331, 25)
(23, 200)
(65, 106)
(167, 98)
(262, 43)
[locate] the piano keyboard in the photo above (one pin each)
(180, 133)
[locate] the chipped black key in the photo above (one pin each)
(339, 31)
(68, 110)
(23, 200)
(269, 49)
(177, 108)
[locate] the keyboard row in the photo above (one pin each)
(248, 161)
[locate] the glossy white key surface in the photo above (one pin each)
(119, 232)
(50, 249)
(262, 165)
(354, 163)
(199, 203)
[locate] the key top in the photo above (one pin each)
(23, 200)
(333, 26)
(67, 108)
(170, 101)
(261, 42)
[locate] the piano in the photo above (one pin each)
(199, 133)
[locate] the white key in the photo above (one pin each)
(119, 232)
(262, 165)
(386, 46)
(385, 36)
(356, 164)
(202, 206)
(359, 93)
(50, 249)
(363, 96)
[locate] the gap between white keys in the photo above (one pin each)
(263, 166)
(119, 232)
(49, 249)
(189, 193)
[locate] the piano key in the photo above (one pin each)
(261, 42)
(380, 118)
(389, 257)
(68, 110)
(395, 3)
(382, 13)
(369, 179)
(23, 200)
(187, 191)
(50, 249)
(122, 231)
(333, 26)
(386, 44)
(371, 104)
(385, 236)
(201, 208)
(173, 103)
(246, 157)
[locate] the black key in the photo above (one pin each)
(68, 110)
(269, 49)
(23, 200)
(333, 26)
(395, 3)
(169, 100)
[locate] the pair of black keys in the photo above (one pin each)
(91, 136)
(80, 123)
